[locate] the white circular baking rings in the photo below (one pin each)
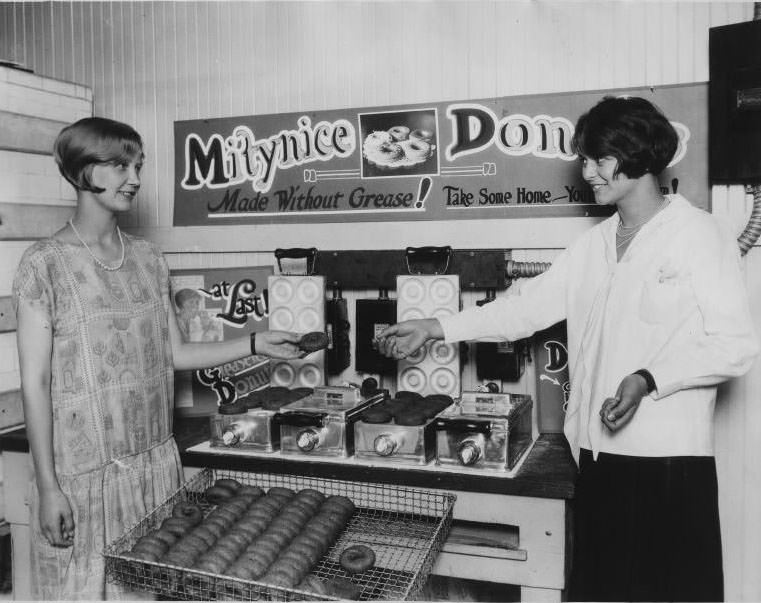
(282, 319)
(443, 381)
(283, 374)
(308, 320)
(442, 291)
(308, 292)
(309, 376)
(412, 379)
(442, 353)
(281, 291)
(412, 291)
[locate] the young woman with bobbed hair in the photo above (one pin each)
(98, 345)
(657, 317)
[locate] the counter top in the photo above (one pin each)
(548, 472)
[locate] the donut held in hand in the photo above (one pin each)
(312, 342)
(357, 558)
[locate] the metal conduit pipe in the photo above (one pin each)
(515, 269)
(750, 235)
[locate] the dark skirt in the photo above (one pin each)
(646, 529)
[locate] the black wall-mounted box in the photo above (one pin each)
(735, 103)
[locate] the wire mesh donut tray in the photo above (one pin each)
(405, 527)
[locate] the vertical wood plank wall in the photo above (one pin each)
(150, 63)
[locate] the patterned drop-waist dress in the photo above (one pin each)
(112, 402)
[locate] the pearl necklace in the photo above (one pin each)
(98, 261)
(625, 234)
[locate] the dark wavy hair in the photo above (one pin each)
(91, 141)
(630, 129)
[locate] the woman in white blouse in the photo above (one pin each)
(657, 317)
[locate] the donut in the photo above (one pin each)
(375, 139)
(277, 536)
(416, 150)
(298, 515)
(343, 589)
(141, 555)
(189, 511)
(228, 514)
(257, 565)
(209, 534)
(281, 491)
(251, 531)
(280, 577)
(313, 342)
(229, 483)
(217, 494)
(227, 552)
(264, 552)
(341, 501)
(376, 415)
(305, 550)
(420, 134)
(180, 559)
(151, 550)
(223, 523)
(193, 543)
(210, 564)
(411, 417)
(357, 558)
(179, 526)
(250, 491)
(235, 505)
(399, 132)
(165, 536)
(240, 569)
(296, 567)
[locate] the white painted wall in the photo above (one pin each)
(150, 63)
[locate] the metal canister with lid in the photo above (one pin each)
(485, 441)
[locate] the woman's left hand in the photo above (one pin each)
(618, 411)
(279, 344)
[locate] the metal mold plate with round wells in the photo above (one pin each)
(405, 527)
(435, 368)
(297, 303)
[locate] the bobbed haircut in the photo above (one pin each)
(630, 129)
(90, 141)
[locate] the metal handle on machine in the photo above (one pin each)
(297, 253)
(430, 253)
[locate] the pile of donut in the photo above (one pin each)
(407, 408)
(275, 537)
(398, 147)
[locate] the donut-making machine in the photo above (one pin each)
(428, 420)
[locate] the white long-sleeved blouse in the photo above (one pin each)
(675, 305)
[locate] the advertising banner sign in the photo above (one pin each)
(507, 157)
(215, 305)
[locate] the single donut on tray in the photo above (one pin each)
(357, 558)
(189, 511)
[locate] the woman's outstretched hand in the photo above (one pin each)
(407, 337)
(56, 519)
(279, 344)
